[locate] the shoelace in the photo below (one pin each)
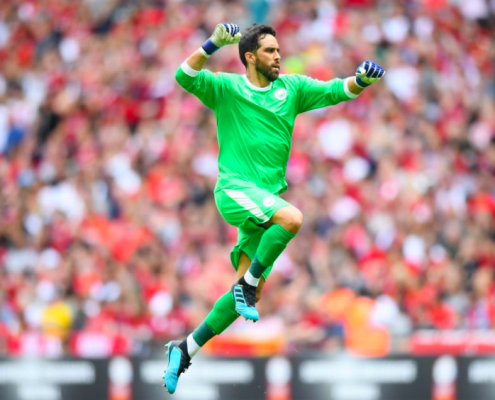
(250, 296)
(184, 365)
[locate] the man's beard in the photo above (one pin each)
(267, 71)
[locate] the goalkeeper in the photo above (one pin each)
(255, 117)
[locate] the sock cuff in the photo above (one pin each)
(283, 232)
(251, 279)
(203, 333)
(192, 346)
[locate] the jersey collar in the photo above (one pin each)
(259, 89)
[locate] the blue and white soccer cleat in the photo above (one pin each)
(178, 362)
(245, 301)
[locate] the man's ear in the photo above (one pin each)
(250, 58)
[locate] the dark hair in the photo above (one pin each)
(250, 39)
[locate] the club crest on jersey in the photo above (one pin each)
(268, 201)
(281, 94)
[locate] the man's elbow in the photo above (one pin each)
(184, 80)
(178, 76)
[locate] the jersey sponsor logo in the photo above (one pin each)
(268, 201)
(281, 94)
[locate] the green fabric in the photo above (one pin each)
(255, 124)
(222, 315)
(248, 241)
(203, 334)
(243, 204)
(273, 243)
(256, 268)
(247, 206)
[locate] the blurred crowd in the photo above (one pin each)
(110, 240)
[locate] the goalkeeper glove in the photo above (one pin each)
(223, 35)
(368, 72)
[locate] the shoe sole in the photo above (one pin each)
(246, 318)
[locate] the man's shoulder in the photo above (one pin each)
(229, 76)
(289, 76)
(229, 79)
(221, 74)
(294, 79)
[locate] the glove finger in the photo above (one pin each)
(237, 37)
(232, 29)
(226, 27)
(371, 71)
(381, 73)
(237, 29)
(366, 66)
(376, 73)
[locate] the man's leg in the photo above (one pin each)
(281, 229)
(244, 263)
(220, 318)
(274, 241)
(222, 315)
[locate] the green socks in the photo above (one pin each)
(256, 268)
(272, 244)
(222, 315)
(202, 334)
(219, 319)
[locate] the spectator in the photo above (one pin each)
(109, 226)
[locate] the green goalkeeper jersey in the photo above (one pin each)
(255, 124)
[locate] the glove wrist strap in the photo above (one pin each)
(203, 52)
(361, 83)
(209, 47)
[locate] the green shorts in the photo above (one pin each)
(247, 206)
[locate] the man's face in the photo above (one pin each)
(268, 58)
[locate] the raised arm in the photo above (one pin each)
(317, 94)
(202, 83)
(224, 34)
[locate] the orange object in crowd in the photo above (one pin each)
(361, 338)
(233, 345)
(337, 303)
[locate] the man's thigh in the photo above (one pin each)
(247, 206)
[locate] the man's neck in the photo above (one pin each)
(256, 78)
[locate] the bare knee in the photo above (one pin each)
(290, 218)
